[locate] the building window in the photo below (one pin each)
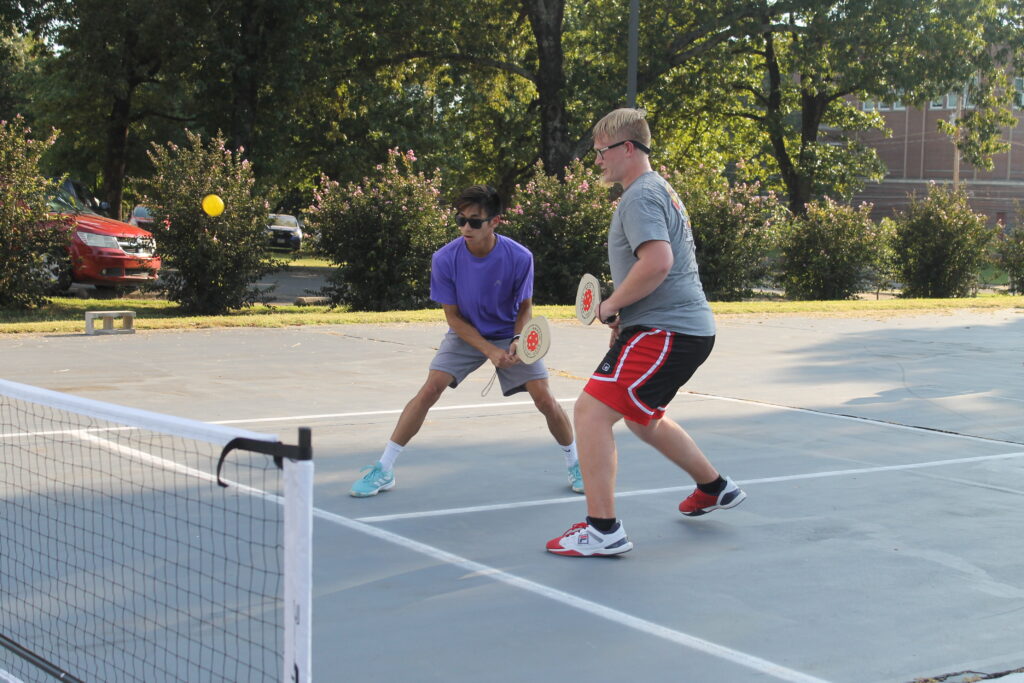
(883, 106)
(940, 103)
(867, 105)
(1018, 95)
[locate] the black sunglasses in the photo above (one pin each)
(475, 223)
(639, 145)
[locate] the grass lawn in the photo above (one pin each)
(299, 259)
(67, 315)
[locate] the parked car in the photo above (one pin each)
(103, 252)
(284, 231)
(141, 217)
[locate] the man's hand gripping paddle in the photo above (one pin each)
(534, 342)
(588, 301)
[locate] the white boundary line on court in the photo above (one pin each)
(679, 489)
(369, 413)
(728, 399)
(603, 611)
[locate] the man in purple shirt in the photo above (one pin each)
(484, 283)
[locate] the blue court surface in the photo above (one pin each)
(883, 460)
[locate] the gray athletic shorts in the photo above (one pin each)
(458, 359)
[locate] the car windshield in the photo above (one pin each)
(142, 212)
(283, 220)
(63, 201)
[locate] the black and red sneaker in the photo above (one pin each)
(700, 503)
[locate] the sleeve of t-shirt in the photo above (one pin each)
(524, 289)
(442, 279)
(643, 219)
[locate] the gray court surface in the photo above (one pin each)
(881, 539)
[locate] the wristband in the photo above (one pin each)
(514, 338)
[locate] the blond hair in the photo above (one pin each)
(624, 124)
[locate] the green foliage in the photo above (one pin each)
(381, 232)
(210, 263)
(940, 245)
(565, 225)
(734, 228)
(1010, 255)
(831, 252)
(33, 245)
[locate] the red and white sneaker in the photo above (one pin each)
(583, 540)
(700, 503)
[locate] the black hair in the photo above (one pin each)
(484, 196)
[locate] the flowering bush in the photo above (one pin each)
(381, 232)
(565, 225)
(33, 245)
(211, 263)
(734, 229)
(940, 245)
(1010, 254)
(831, 252)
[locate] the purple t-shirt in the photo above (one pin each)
(487, 290)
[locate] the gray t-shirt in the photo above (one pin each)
(648, 210)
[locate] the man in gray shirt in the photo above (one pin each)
(662, 330)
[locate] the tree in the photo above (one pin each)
(113, 67)
(214, 261)
(805, 59)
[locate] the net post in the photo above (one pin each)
(298, 562)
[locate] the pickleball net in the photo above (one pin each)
(124, 558)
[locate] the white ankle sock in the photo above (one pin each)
(570, 454)
(391, 451)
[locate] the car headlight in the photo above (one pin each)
(93, 240)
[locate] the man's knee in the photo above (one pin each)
(547, 404)
(542, 397)
(432, 389)
(590, 411)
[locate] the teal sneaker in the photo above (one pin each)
(576, 479)
(377, 479)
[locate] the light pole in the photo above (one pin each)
(631, 57)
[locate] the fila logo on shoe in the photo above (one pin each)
(583, 539)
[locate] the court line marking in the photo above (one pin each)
(695, 394)
(370, 413)
(679, 489)
(737, 657)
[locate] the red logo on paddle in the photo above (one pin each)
(588, 299)
(532, 340)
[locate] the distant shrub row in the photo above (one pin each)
(380, 232)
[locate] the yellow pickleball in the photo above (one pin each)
(213, 205)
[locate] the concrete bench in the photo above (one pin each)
(107, 318)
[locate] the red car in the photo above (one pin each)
(104, 252)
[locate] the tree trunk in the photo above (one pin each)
(776, 127)
(546, 20)
(115, 156)
(246, 80)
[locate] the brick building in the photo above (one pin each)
(917, 153)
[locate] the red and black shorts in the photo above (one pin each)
(644, 369)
